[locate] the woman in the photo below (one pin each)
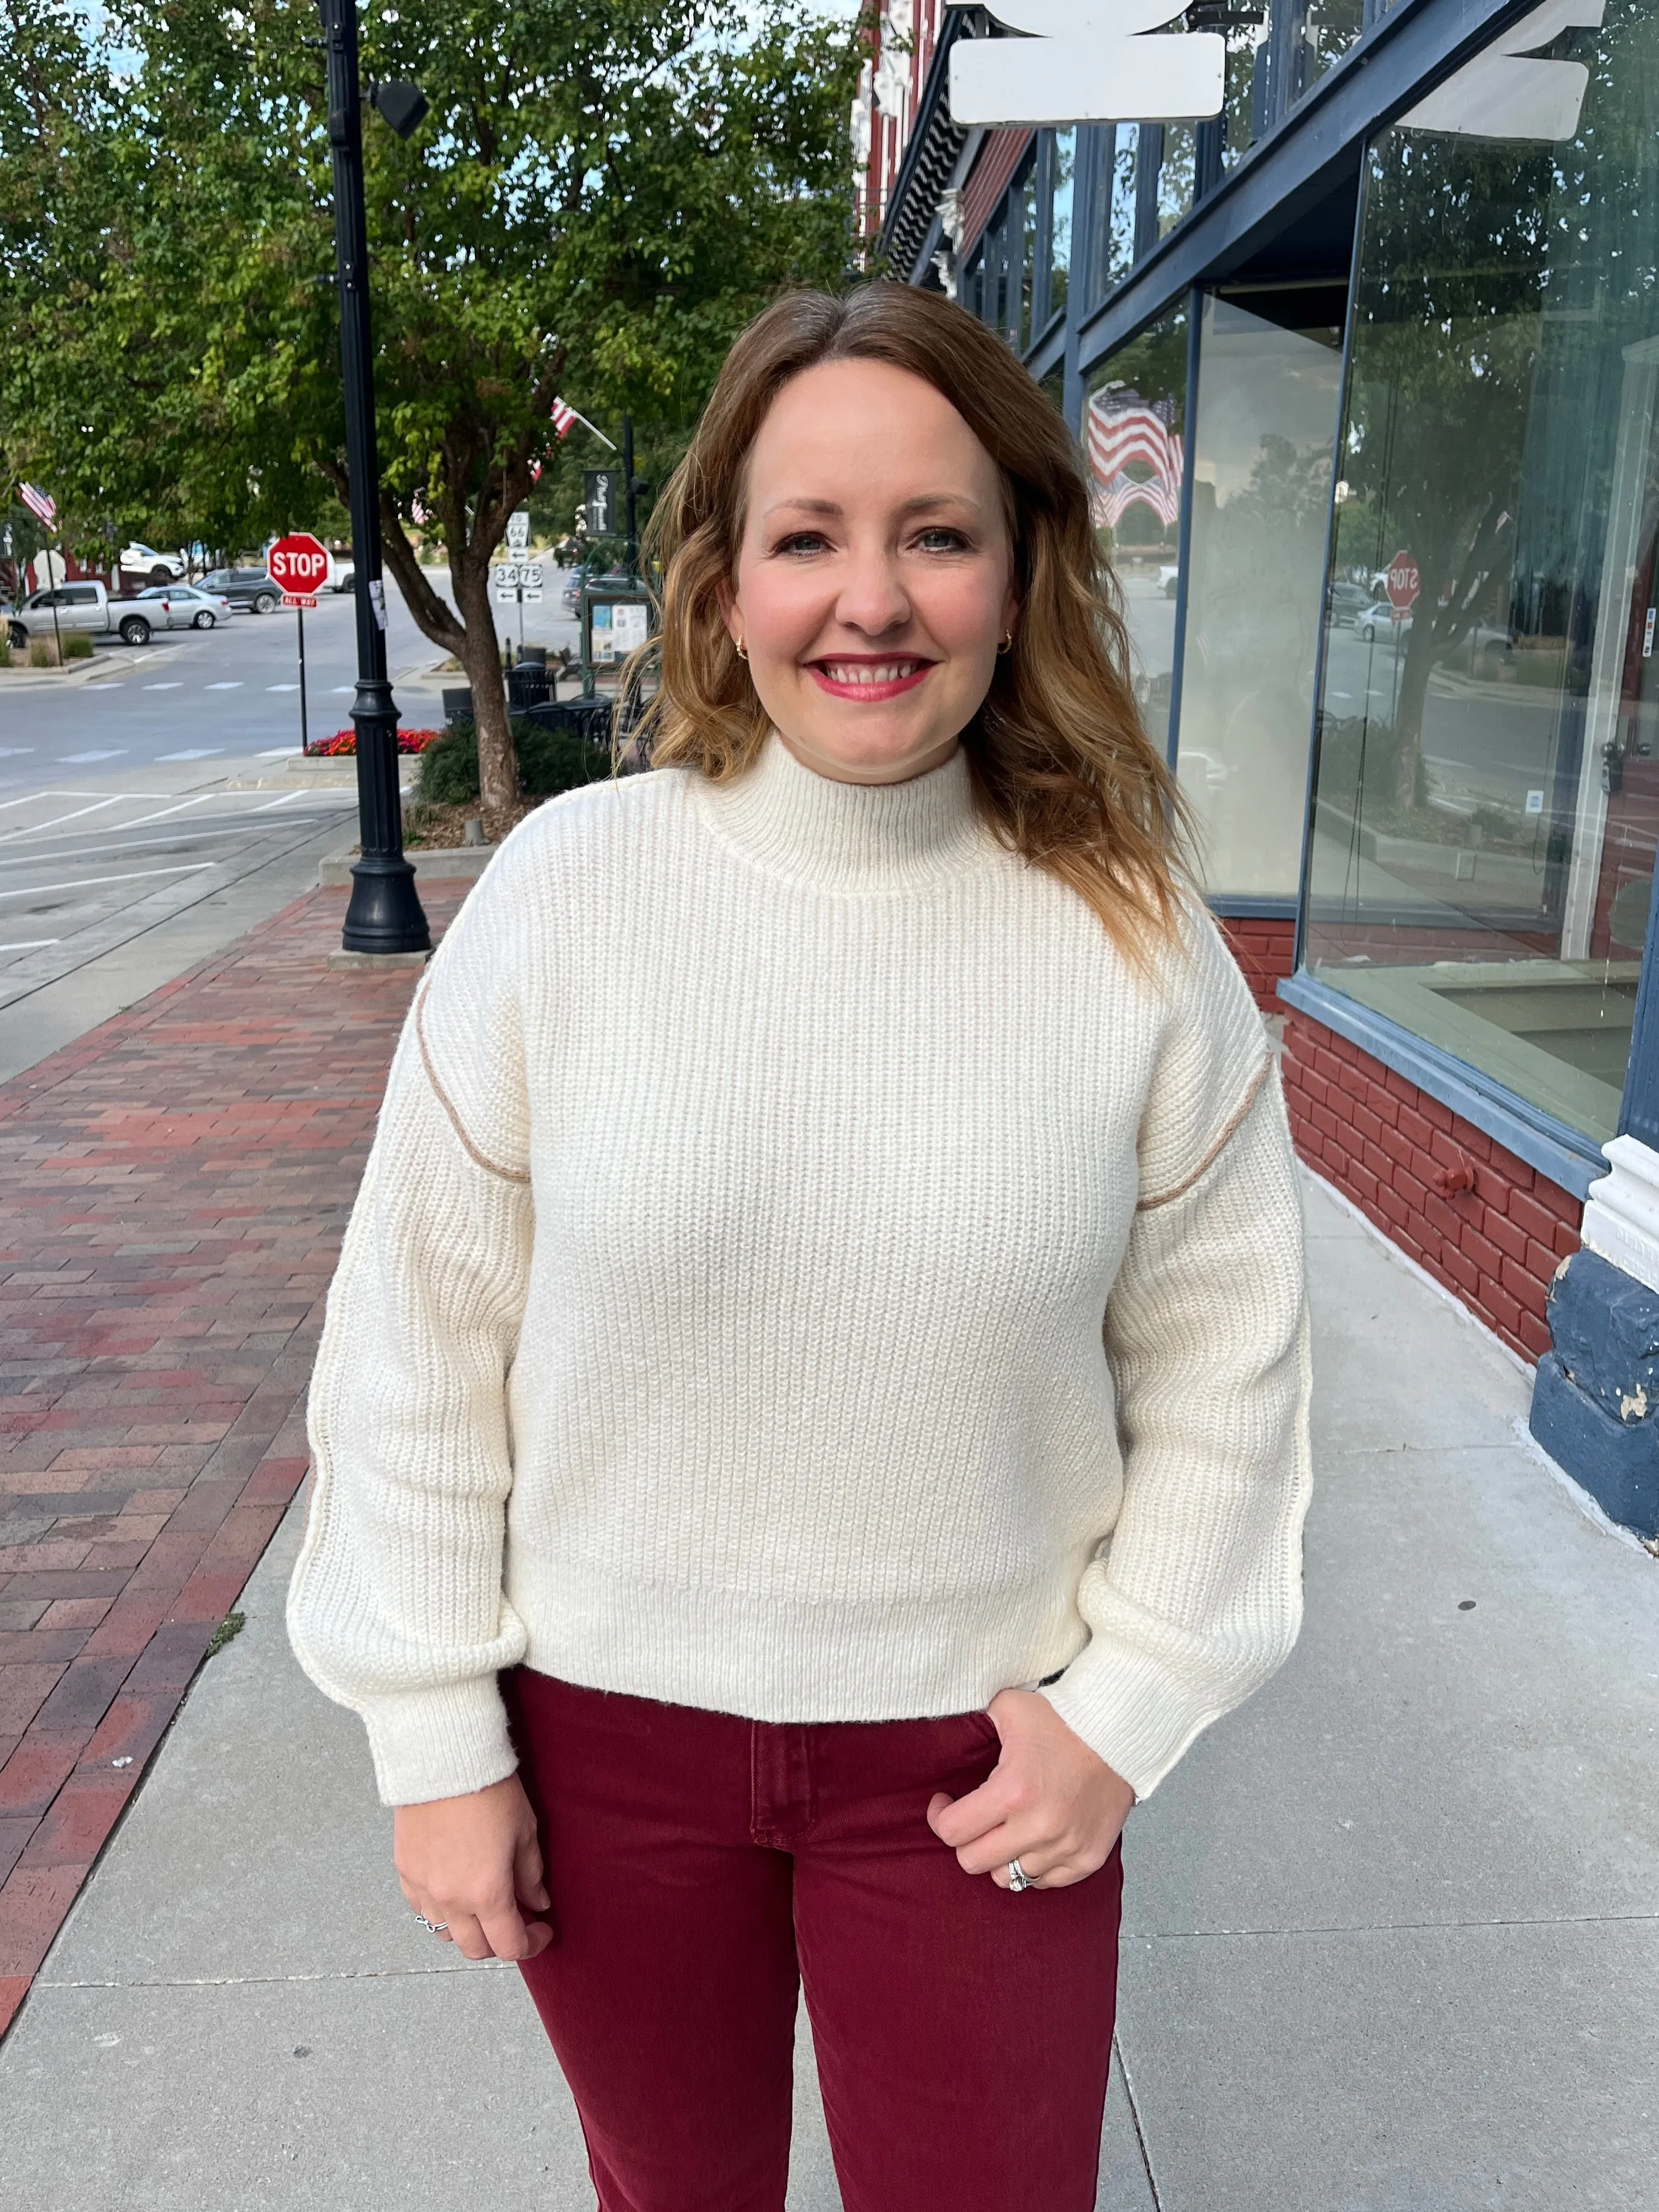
(752, 1561)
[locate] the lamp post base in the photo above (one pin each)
(385, 916)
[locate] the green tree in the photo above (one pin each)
(604, 192)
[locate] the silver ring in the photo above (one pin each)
(1018, 1877)
(436, 1927)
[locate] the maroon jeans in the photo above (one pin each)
(703, 1868)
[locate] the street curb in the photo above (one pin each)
(467, 862)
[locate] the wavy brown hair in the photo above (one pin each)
(1062, 769)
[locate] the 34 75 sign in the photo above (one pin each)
(1086, 61)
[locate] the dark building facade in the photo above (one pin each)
(1367, 371)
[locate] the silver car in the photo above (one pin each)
(183, 606)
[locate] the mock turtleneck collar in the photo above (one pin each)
(868, 837)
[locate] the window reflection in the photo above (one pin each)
(1488, 790)
(1062, 177)
(1120, 211)
(1175, 171)
(1135, 432)
(1269, 381)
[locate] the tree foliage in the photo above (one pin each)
(603, 191)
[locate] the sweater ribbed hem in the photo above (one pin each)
(442, 1742)
(768, 1657)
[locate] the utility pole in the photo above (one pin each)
(384, 914)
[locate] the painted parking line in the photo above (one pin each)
(31, 944)
(282, 687)
(15, 752)
(178, 686)
(39, 828)
(74, 760)
(235, 684)
(196, 753)
(102, 685)
(93, 883)
(280, 752)
(348, 688)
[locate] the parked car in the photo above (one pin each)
(86, 608)
(341, 573)
(1380, 618)
(144, 561)
(183, 606)
(1348, 602)
(246, 587)
(1169, 579)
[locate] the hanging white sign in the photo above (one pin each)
(1086, 61)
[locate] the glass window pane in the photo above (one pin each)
(1243, 101)
(1062, 174)
(1329, 28)
(1022, 225)
(1269, 382)
(1134, 430)
(1176, 170)
(1120, 215)
(1483, 835)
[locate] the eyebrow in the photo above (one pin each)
(921, 504)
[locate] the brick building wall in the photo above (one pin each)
(1266, 950)
(1482, 1222)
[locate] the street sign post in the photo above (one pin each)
(299, 562)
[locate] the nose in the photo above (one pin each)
(873, 598)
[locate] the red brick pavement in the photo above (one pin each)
(172, 1190)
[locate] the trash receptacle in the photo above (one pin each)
(526, 687)
(458, 706)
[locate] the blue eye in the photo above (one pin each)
(801, 541)
(941, 540)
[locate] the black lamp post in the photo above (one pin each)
(384, 914)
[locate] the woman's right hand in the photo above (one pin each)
(473, 1864)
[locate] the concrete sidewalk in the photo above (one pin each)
(1391, 1937)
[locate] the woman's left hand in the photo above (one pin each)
(1050, 1802)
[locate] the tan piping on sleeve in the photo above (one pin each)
(490, 1166)
(1179, 1189)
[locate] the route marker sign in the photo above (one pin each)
(1405, 582)
(299, 562)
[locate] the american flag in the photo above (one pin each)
(563, 415)
(1124, 433)
(38, 502)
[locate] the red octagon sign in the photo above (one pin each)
(299, 562)
(1405, 582)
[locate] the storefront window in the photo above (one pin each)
(1488, 790)
(1243, 108)
(1062, 173)
(1120, 210)
(1269, 382)
(1134, 430)
(1175, 171)
(1329, 28)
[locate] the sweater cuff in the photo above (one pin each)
(1130, 1710)
(447, 1741)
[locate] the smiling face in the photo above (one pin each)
(874, 578)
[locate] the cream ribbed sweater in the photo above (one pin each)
(720, 1319)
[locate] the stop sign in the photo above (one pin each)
(299, 562)
(1405, 582)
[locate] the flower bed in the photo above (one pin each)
(345, 742)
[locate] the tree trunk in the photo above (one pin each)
(467, 630)
(481, 656)
(1418, 658)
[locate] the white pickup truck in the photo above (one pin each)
(85, 609)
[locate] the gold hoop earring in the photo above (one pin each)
(1007, 644)
(743, 654)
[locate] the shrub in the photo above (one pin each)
(43, 653)
(549, 761)
(77, 647)
(449, 769)
(552, 761)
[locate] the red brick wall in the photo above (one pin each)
(1481, 1221)
(1266, 950)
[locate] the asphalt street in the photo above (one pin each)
(149, 810)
